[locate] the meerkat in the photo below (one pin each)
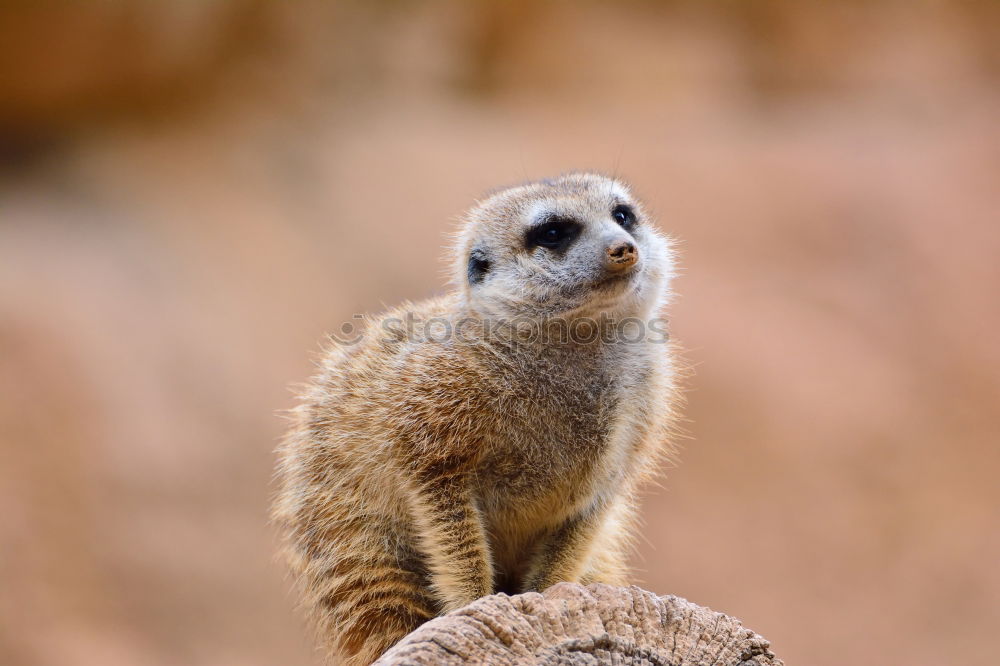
(498, 446)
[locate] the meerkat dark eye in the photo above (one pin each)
(624, 216)
(479, 266)
(556, 233)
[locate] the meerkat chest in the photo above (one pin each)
(557, 440)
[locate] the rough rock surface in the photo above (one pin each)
(573, 624)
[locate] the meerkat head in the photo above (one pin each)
(577, 245)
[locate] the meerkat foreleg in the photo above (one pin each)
(585, 548)
(563, 555)
(453, 539)
(608, 553)
(607, 564)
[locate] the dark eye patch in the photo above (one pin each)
(479, 266)
(624, 215)
(555, 233)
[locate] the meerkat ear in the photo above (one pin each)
(479, 266)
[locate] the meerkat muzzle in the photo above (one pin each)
(621, 256)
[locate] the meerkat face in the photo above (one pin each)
(575, 246)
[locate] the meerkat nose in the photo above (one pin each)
(621, 255)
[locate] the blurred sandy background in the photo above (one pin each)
(191, 193)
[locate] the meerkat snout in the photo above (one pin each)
(621, 255)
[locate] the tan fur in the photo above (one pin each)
(421, 473)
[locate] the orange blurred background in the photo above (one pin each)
(192, 193)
